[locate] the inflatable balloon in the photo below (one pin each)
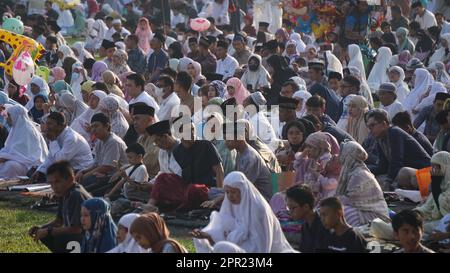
(23, 69)
(43, 72)
(66, 4)
(13, 24)
(200, 24)
(19, 44)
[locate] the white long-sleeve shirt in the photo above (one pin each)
(69, 146)
(427, 20)
(147, 99)
(227, 66)
(167, 105)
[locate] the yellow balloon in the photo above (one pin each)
(19, 43)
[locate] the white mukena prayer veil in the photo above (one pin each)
(251, 225)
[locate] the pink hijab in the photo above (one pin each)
(240, 92)
(144, 34)
(97, 70)
(58, 73)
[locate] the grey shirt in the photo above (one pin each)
(255, 168)
(112, 149)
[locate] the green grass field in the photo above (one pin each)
(16, 219)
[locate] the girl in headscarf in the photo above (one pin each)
(67, 66)
(403, 58)
(37, 86)
(126, 243)
(256, 74)
(422, 84)
(112, 82)
(356, 60)
(73, 107)
(441, 55)
(397, 77)
(301, 47)
(311, 53)
(81, 124)
(64, 51)
(195, 70)
(333, 63)
(315, 168)
(296, 136)
(291, 51)
(37, 111)
(56, 74)
(97, 70)
(86, 90)
(184, 62)
(403, 42)
(356, 125)
(119, 62)
(424, 46)
(145, 34)
(98, 226)
(246, 221)
(437, 204)
(110, 107)
(281, 36)
(79, 75)
(217, 89)
(59, 86)
(280, 73)
(364, 87)
(440, 74)
(357, 189)
(25, 146)
(80, 52)
(378, 74)
(151, 233)
(235, 89)
(302, 96)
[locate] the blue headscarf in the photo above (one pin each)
(102, 235)
(220, 87)
(35, 113)
(60, 86)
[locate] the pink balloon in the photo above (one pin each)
(23, 69)
(200, 24)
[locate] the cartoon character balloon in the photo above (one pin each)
(23, 69)
(13, 24)
(19, 44)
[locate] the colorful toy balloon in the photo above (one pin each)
(23, 69)
(200, 24)
(13, 24)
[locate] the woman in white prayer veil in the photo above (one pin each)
(422, 84)
(333, 63)
(440, 73)
(79, 75)
(301, 47)
(437, 87)
(25, 146)
(81, 123)
(32, 91)
(364, 88)
(72, 107)
(397, 77)
(128, 245)
(79, 50)
(440, 55)
(356, 59)
(379, 74)
(245, 219)
(110, 107)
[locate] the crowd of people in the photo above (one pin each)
(139, 113)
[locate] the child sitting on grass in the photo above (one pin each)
(133, 182)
